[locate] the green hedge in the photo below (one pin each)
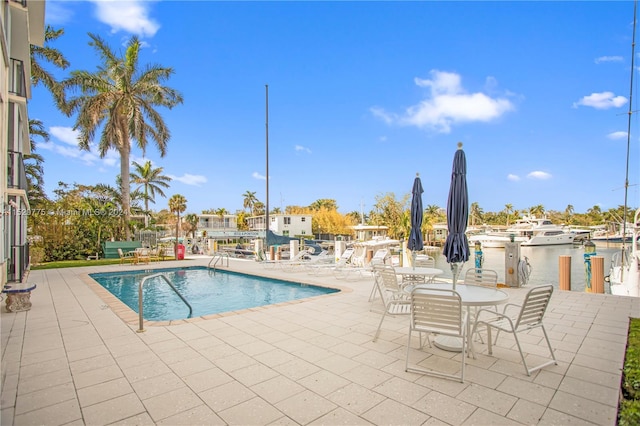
(629, 414)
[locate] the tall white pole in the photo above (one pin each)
(266, 225)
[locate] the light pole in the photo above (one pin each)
(266, 218)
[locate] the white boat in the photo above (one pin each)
(624, 273)
(528, 231)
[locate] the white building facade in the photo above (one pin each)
(288, 225)
(22, 24)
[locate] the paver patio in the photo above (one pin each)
(75, 358)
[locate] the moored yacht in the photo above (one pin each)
(528, 231)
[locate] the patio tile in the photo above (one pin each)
(208, 379)
(113, 410)
(191, 366)
(97, 376)
(153, 386)
(589, 390)
(171, 403)
(253, 374)
(45, 397)
(296, 369)
(484, 417)
(583, 408)
(526, 390)
(226, 396)
(390, 412)
(200, 415)
(323, 382)
(103, 391)
(444, 408)
(255, 411)
(340, 416)
(53, 415)
(44, 381)
(277, 389)
(526, 412)
(402, 391)
(305, 407)
(355, 398)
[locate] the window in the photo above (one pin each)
(302, 219)
(287, 221)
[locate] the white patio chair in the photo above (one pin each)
(342, 261)
(437, 311)
(394, 299)
(529, 316)
(421, 261)
(483, 278)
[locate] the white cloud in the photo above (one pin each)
(617, 135)
(602, 59)
(131, 16)
(188, 179)
(257, 175)
(603, 100)
(513, 177)
(447, 104)
(300, 148)
(539, 175)
(65, 134)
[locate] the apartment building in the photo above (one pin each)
(21, 25)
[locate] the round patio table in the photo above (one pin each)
(471, 295)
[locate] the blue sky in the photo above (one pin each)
(364, 95)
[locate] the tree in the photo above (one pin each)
(33, 164)
(390, 212)
(476, 213)
(121, 98)
(152, 181)
(53, 56)
(177, 205)
(249, 201)
(190, 225)
(508, 209)
(327, 203)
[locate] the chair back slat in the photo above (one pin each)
(424, 261)
(481, 277)
(534, 306)
(436, 309)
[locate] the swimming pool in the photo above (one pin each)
(207, 292)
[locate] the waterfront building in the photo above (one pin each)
(22, 25)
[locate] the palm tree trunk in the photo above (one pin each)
(125, 186)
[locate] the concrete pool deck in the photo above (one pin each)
(75, 358)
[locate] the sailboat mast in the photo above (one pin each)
(626, 178)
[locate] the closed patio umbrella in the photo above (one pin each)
(456, 246)
(415, 242)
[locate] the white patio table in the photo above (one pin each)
(428, 273)
(471, 295)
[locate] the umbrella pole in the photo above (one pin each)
(455, 269)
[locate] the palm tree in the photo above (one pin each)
(190, 224)
(33, 163)
(152, 181)
(249, 201)
(508, 208)
(476, 213)
(52, 56)
(122, 97)
(177, 205)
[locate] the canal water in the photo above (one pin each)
(544, 261)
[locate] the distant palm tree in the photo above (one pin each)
(508, 208)
(152, 181)
(123, 97)
(177, 205)
(53, 56)
(249, 201)
(476, 213)
(190, 224)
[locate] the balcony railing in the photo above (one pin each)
(17, 177)
(18, 262)
(17, 84)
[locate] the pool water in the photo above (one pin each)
(206, 291)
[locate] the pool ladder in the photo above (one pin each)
(218, 257)
(140, 309)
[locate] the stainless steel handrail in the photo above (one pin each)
(217, 257)
(140, 309)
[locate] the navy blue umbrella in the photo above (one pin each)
(415, 242)
(456, 246)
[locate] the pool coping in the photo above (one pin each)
(131, 317)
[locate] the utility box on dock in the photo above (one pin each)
(511, 262)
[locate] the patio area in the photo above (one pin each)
(75, 358)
